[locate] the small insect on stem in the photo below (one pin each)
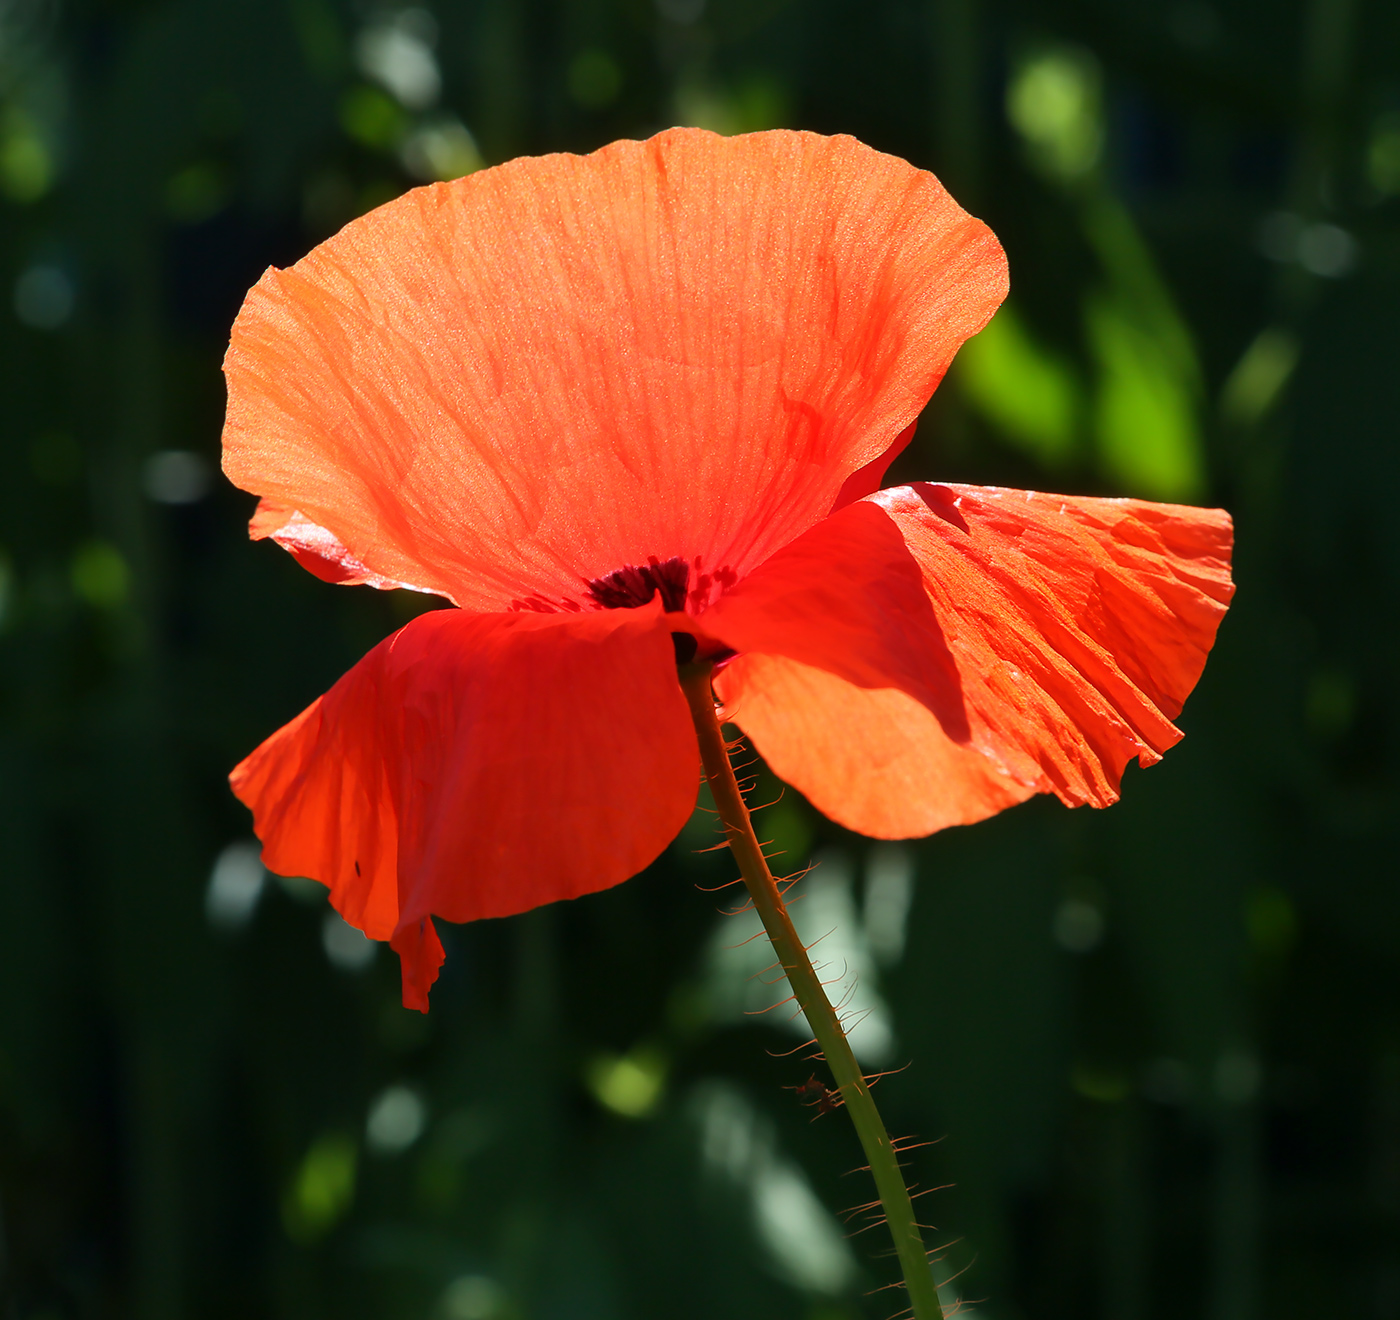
(814, 1093)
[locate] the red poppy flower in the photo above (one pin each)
(597, 401)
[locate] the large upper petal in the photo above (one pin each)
(476, 766)
(1069, 631)
(502, 387)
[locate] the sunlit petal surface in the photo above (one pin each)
(1075, 628)
(315, 549)
(874, 759)
(477, 766)
(847, 597)
(502, 387)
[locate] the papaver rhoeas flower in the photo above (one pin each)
(600, 403)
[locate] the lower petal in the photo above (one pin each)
(872, 759)
(421, 956)
(478, 766)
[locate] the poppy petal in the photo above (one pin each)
(314, 548)
(866, 481)
(875, 760)
(1076, 628)
(509, 385)
(846, 597)
(477, 766)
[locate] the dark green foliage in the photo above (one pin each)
(1160, 1045)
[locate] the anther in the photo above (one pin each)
(631, 586)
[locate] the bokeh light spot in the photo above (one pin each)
(347, 949)
(1383, 155)
(44, 297)
(1237, 1076)
(176, 476)
(396, 1120)
(1327, 250)
(439, 150)
(1053, 102)
(100, 575)
(323, 1188)
(1078, 926)
(1257, 380)
(473, 1297)
(396, 51)
(236, 884)
(803, 1241)
(889, 892)
(631, 1085)
(26, 163)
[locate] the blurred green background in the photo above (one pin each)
(1158, 1046)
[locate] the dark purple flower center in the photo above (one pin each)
(631, 586)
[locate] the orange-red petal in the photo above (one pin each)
(477, 766)
(867, 480)
(314, 548)
(505, 386)
(875, 760)
(846, 597)
(1076, 627)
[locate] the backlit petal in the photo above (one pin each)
(512, 384)
(1076, 627)
(314, 548)
(873, 759)
(846, 597)
(867, 480)
(476, 766)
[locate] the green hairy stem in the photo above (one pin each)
(811, 995)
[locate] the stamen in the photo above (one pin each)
(630, 586)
